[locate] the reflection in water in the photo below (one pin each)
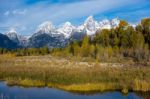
(144, 95)
(7, 92)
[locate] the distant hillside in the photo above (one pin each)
(5, 42)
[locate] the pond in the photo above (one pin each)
(15, 92)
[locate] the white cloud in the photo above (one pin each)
(58, 13)
(19, 12)
(7, 13)
(16, 12)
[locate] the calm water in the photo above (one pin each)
(15, 92)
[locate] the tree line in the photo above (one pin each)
(26, 51)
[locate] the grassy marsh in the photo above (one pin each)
(41, 71)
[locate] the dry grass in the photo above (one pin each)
(89, 87)
(73, 75)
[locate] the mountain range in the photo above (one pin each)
(48, 35)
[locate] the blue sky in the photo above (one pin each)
(26, 15)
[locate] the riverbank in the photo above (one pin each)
(73, 75)
(47, 93)
(87, 87)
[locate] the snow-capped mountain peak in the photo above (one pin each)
(19, 39)
(90, 22)
(66, 29)
(67, 24)
(45, 27)
(108, 24)
(115, 22)
(105, 22)
(12, 30)
(12, 34)
(89, 19)
(90, 25)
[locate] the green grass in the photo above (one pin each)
(40, 71)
